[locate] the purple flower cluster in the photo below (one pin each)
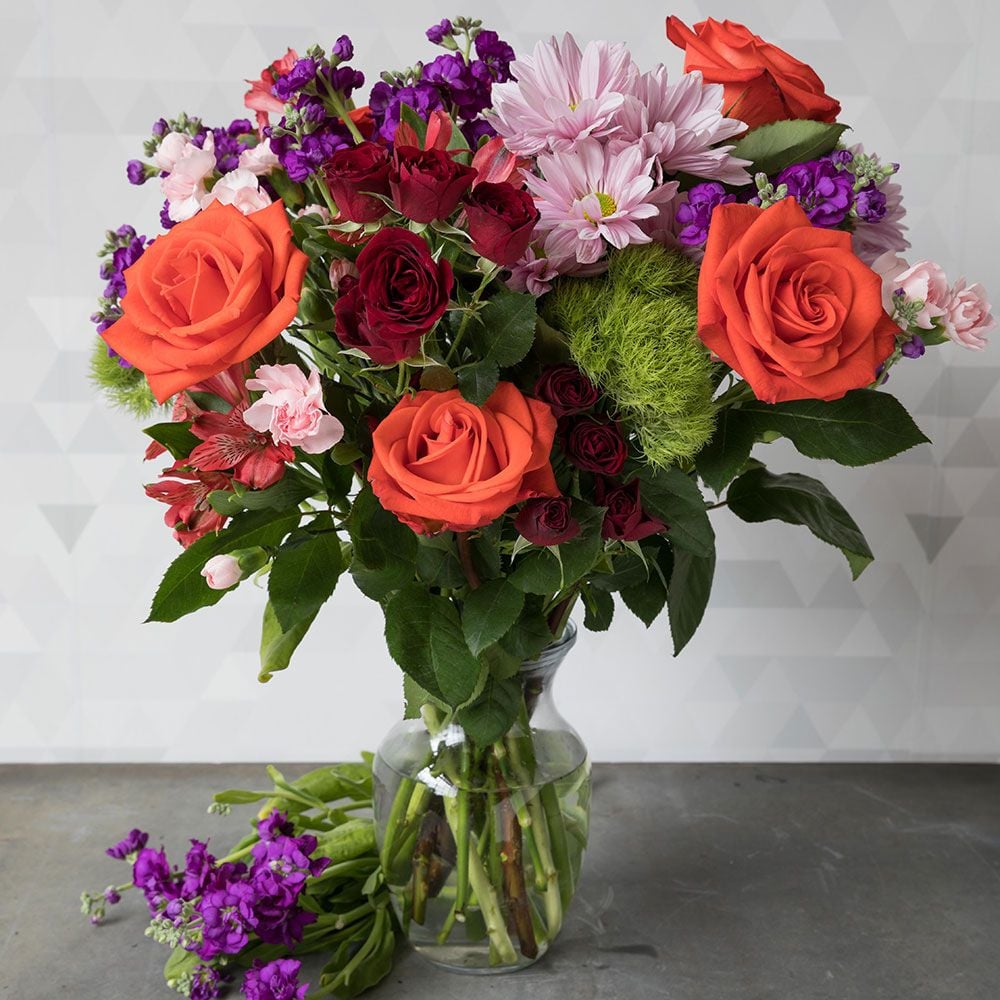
(448, 82)
(278, 980)
(229, 143)
(206, 983)
(824, 191)
(694, 216)
(135, 841)
(122, 248)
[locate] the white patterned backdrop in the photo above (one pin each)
(793, 662)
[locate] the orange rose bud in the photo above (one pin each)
(208, 294)
(762, 82)
(440, 463)
(788, 305)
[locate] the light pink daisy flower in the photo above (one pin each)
(681, 124)
(594, 196)
(561, 96)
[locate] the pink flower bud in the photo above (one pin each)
(967, 315)
(222, 572)
(340, 269)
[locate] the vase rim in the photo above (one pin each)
(553, 654)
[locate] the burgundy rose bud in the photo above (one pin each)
(502, 220)
(596, 446)
(427, 184)
(352, 328)
(566, 389)
(547, 521)
(353, 175)
(624, 519)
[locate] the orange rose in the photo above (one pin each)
(762, 82)
(789, 306)
(440, 463)
(208, 294)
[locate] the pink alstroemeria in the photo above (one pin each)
(259, 97)
(595, 195)
(189, 515)
(560, 96)
(229, 443)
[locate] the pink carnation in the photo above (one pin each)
(241, 189)
(927, 282)
(292, 409)
(184, 186)
(967, 315)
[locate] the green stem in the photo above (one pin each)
(470, 311)
(338, 105)
(396, 813)
(401, 380)
(462, 836)
(557, 835)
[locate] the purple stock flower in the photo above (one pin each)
(344, 79)
(199, 868)
(135, 841)
(151, 873)
(300, 74)
(165, 221)
(277, 980)
(496, 54)
(841, 157)
(385, 102)
(695, 215)
(477, 130)
(343, 49)
(468, 86)
(823, 191)
(280, 870)
(228, 919)
(135, 171)
(160, 127)
(275, 825)
(870, 204)
(206, 983)
(437, 33)
(112, 895)
(913, 348)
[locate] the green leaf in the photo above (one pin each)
(863, 427)
(183, 588)
(778, 145)
(598, 609)
(379, 538)
(646, 600)
(759, 495)
(489, 613)
(721, 460)
(239, 797)
(287, 493)
(687, 596)
(379, 584)
(408, 115)
(276, 645)
(544, 572)
(528, 637)
(476, 382)
(304, 573)
(424, 635)
(175, 436)
(490, 716)
(437, 562)
(181, 962)
(674, 497)
(508, 328)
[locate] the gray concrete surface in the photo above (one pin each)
(704, 882)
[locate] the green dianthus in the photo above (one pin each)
(633, 331)
(125, 388)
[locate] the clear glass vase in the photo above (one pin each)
(482, 845)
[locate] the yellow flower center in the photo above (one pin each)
(607, 205)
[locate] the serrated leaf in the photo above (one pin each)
(489, 612)
(777, 145)
(304, 573)
(183, 589)
(759, 495)
(175, 436)
(277, 645)
(507, 328)
(674, 497)
(529, 635)
(688, 594)
(598, 609)
(287, 493)
(865, 426)
(545, 572)
(645, 600)
(379, 538)
(476, 382)
(721, 460)
(491, 715)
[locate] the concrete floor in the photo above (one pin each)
(704, 882)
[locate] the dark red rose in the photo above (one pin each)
(566, 389)
(353, 329)
(353, 175)
(501, 221)
(547, 522)
(399, 294)
(427, 184)
(624, 518)
(596, 446)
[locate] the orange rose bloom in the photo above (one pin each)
(788, 305)
(442, 464)
(208, 294)
(762, 82)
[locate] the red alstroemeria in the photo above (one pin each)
(229, 443)
(259, 97)
(439, 131)
(495, 164)
(185, 490)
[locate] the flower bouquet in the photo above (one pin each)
(486, 343)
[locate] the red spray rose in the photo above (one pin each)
(625, 520)
(596, 446)
(399, 294)
(547, 522)
(566, 389)
(502, 220)
(427, 184)
(353, 175)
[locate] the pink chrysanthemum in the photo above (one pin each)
(595, 195)
(681, 124)
(561, 96)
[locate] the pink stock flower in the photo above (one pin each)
(172, 147)
(239, 188)
(682, 125)
(561, 96)
(292, 409)
(184, 186)
(222, 572)
(967, 316)
(259, 159)
(595, 195)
